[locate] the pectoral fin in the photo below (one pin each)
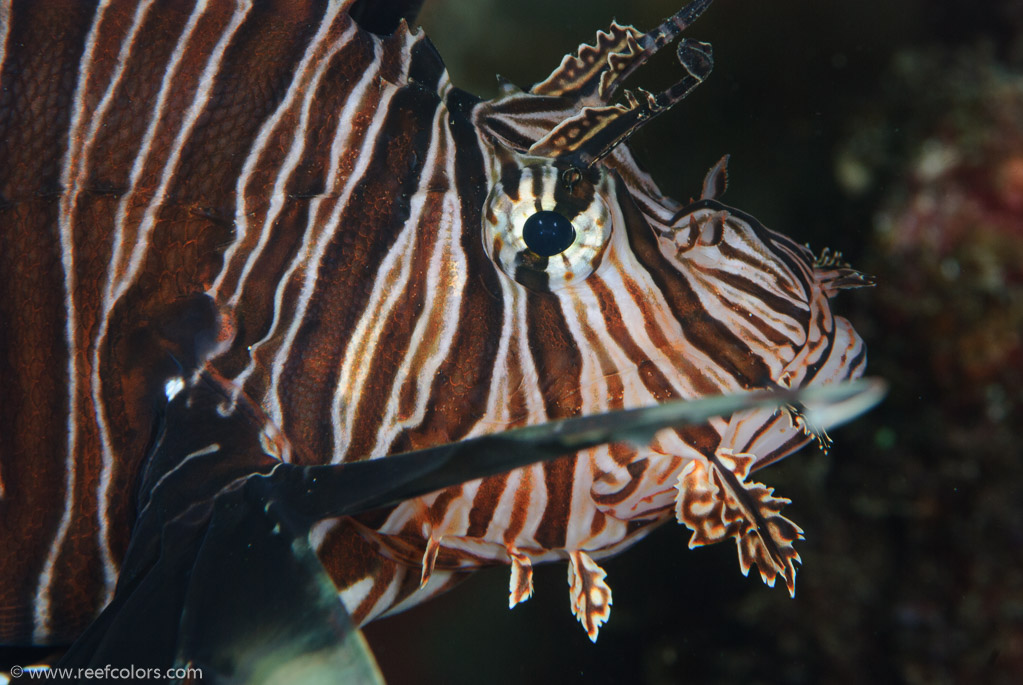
(716, 501)
(590, 595)
(520, 586)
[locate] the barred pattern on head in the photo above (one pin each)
(332, 194)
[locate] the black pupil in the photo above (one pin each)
(548, 233)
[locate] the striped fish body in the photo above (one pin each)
(312, 214)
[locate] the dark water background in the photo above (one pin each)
(892, 131)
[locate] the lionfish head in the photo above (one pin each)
(614, 295)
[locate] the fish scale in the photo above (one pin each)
(315, 217)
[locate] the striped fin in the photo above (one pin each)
(590, 595)
(520, 583)
(716, 502)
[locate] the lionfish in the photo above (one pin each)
(251, 247)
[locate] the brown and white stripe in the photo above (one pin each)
(325, 187)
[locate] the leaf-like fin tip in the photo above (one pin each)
(520, 584)
(589, 593)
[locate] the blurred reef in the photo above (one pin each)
(894, 133)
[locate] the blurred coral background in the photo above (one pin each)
(893, 132)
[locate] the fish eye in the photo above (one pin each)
(548, 233)
(545, 226)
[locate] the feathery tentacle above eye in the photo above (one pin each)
(591, 76)
(569, 115)
(591, 135)
(588, 137)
